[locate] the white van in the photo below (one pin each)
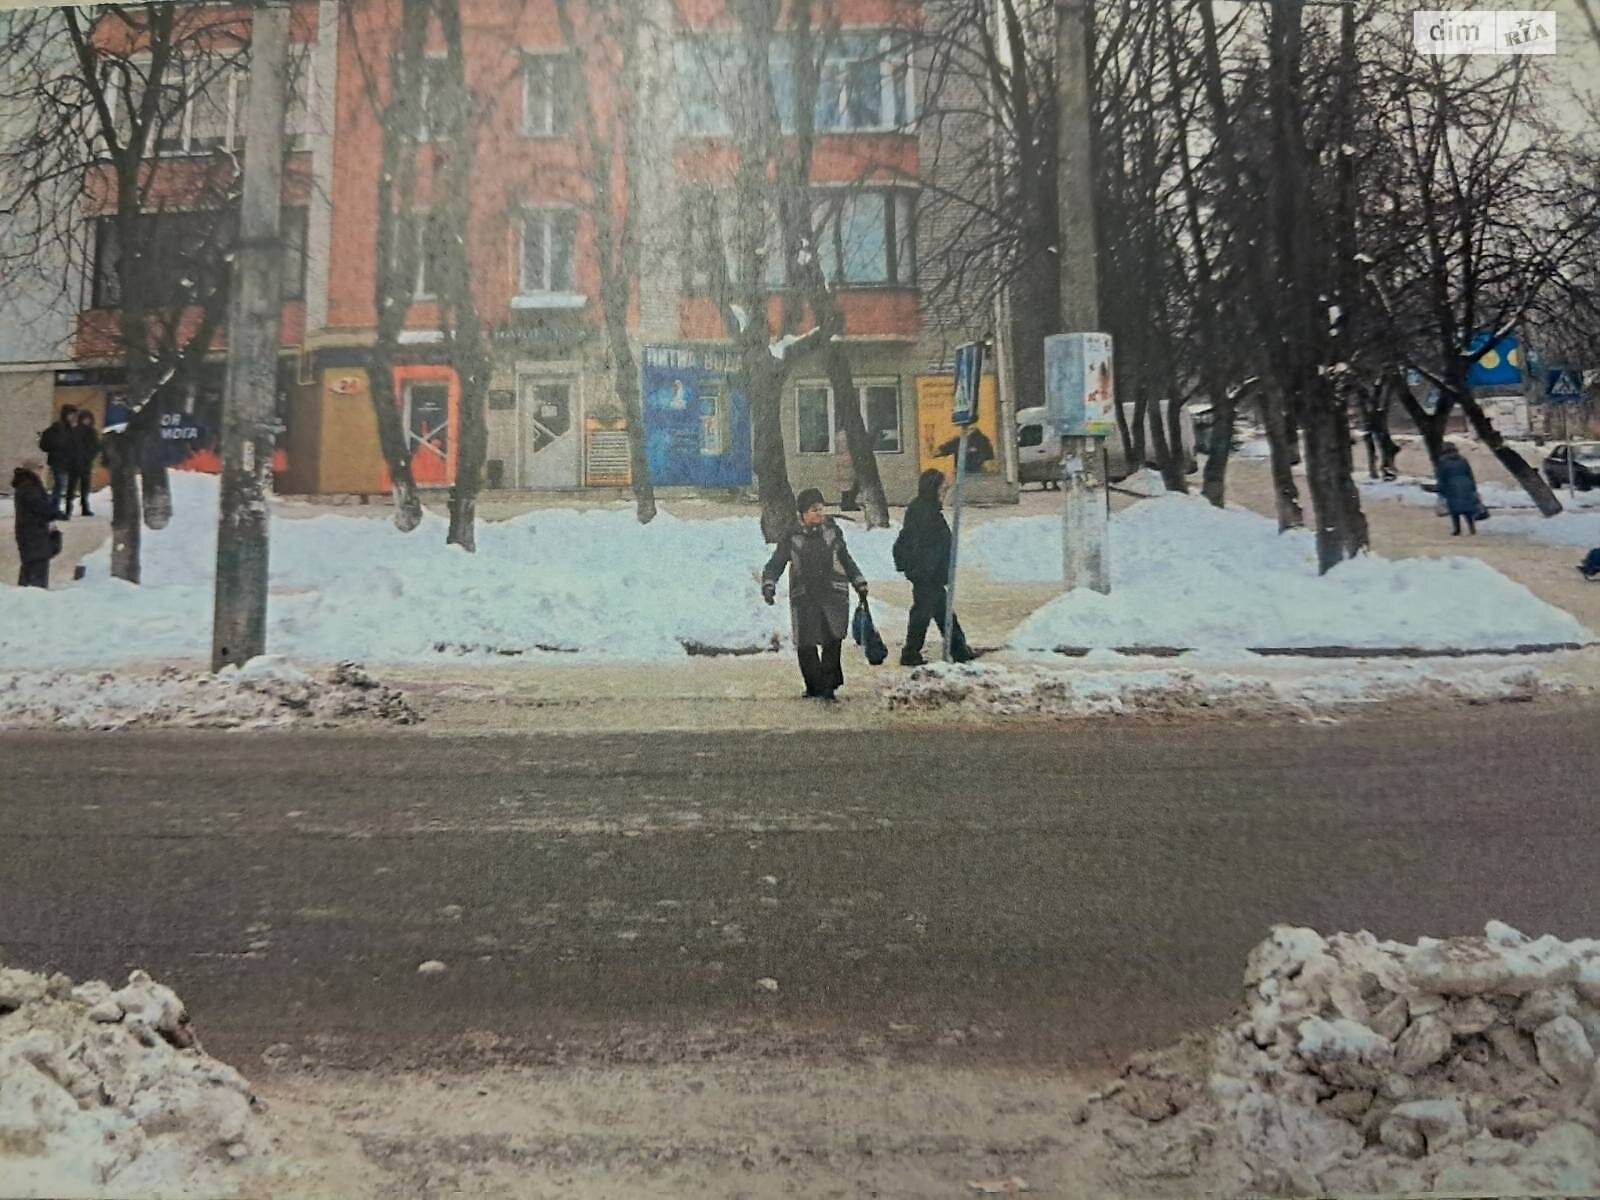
(1039, 453)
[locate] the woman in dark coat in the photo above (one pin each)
(922, 552)
(821, 574)
(1458, 489)
(34, 512)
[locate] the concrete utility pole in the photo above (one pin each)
(1086, 560)
(239, 627)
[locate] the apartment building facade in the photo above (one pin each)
(554, 423)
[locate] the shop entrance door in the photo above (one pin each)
(549, 433)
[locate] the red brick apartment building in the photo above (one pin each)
(553, 421)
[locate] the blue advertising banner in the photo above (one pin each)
(1501, 366)
(696, 425)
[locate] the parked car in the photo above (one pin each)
(1039, 453)
(1585, 466)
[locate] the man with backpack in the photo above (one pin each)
(922, 555)
(60, 445)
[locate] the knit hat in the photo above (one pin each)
(806, 499)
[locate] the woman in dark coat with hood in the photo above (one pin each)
(1458, 489)
(34, 512)
(821, 574)
(922, 553)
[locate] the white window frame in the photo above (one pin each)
(554, 63)
(899, 233)
(862, 384)
(301, 86)
(888, 63)
(548, 214)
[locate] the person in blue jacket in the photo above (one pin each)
(1458, 489)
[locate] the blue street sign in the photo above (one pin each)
(969, 374)
(1564, 385)
(1501, 366)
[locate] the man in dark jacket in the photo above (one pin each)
(922, 553)
(86, 450)
(34, 513)
(60, 445)
(980, 450)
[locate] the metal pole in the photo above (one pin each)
(239, 624)
(1572, 466)
(955, 541)
(1084, 496)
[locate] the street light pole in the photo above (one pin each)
(239, 623)
(1086, 516)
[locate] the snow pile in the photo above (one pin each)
(593, 583)
(1463, 1066)
(1187, 575)
(1032, 691)
(1459, 1065)
(1580, 531)
(107, 1093)
(266, 692)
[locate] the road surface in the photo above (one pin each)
(1049, 895)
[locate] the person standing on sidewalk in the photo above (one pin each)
(1458, 489)
(33, 513)
(60, 445)
(86, 453)
(821, 574)
(922, 554)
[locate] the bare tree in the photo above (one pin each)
(611, 96)
(121, 114)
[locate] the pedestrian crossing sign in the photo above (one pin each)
(1564, 383)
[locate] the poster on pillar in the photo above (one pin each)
(938, 436)
(696, 424)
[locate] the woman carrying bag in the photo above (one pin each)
(821, 574)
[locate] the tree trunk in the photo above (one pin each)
(1224, 410)
(1341, 526)
(472, 368)
(1532, 482)
(625, 385)
(1283, 456)
(863, 458)
(1137, 458)
(1162, 448)
(773, 491)
(122, 457)
(1177, 478)
(156, 487)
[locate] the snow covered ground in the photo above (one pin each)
(592, 584)
(1186, 575)
(1495, 495)
(597, 586)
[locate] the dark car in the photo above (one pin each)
(1584, 468)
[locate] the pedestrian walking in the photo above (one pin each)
(36, 541)
(60, 445)
(1458, 489)
(922, 555)
(87, 453)
(821, 574)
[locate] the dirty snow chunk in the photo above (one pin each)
(767, 985)
(95, 1109)
(1564, 1051)
(1343, 1050)
(1037, 689)
(432, 967)
(263, 694)
(1440, 1122)
(1247, 585)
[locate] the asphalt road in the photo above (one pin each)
(1048, 895)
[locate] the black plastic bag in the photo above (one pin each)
(865, 635)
